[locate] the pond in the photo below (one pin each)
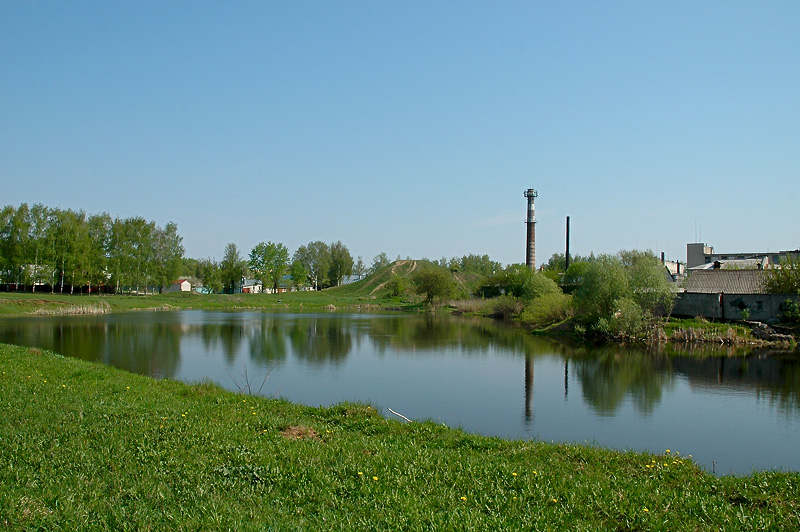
(733, 414)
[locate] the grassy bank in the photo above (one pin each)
(88, 447)
(22, 304)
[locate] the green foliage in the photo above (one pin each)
(519, 281)
(608, 286)
(785, 277)
(397, 285)
(208, 270)
(269, 262)
(232, 268)
(299, 275)
(379, 261)
(603, 283)
(790, 312)
(649, 283)
(626, 322)
(433, 282)
(505, 307)
(68, 249)
(341, 264)
(316, 259)
(547, 309)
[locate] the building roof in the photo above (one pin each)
(726, 281)
(754, 263)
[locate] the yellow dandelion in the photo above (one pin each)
(513, 474)
(667, 451)
(646, 510)
(360, 473)
(463, 498)
(374, 478)
(555, 500)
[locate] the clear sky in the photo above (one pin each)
(413, 127)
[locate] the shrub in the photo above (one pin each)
(505, 307)
(627, 322)
(790, 312)
(547, 310)
(519, 281)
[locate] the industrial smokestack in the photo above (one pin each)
(566, 254)
(530, 255)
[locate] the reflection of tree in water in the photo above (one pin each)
(138, 345)
(319, 340)
(469, 335)
(146, 348)
(226, 336)
(610, 374)
(267, 342)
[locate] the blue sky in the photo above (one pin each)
(411, 128)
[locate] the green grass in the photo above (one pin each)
(88, 447)
(368, 294)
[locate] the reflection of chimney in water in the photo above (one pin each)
(528, 387)
(566, 379)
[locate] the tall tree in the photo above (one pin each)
(433, 282)
(360, 268)
(232, 268)
(316, 258)
(378, 261)
(209, 272)
(39, 220)
(99, 228)
(167, 255)
(341, 264)
(269, 262)
(299, 275)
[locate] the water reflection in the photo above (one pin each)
(475, 373)
(151, 344)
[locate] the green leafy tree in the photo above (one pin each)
(649, 282)
(167, 255)
(269, 262)
(360, 268)
(39, 222)
(379, 261)
(519, 281)
(433, 282)
(603, 283)
(316, 258)
(209, 272)
(232, 268)
(785, 277)
(478, 264)
(299, 275)
(341, 264)
(99, 232)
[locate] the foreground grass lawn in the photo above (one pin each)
(88, 447)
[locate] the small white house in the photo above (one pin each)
(181, 285)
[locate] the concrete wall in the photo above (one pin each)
(762, 307)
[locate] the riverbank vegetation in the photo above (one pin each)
(87, 447)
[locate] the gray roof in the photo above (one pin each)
(726, 281)
(753, 263)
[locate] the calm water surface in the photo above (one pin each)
(733, 414)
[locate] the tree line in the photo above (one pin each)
(315, 265)
(64, 250)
